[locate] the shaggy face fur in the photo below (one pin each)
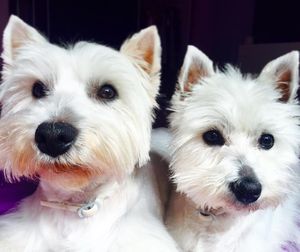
(238, 114)
(234, 157)
(113, 135)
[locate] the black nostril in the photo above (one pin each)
(246, 189)
(55, 138)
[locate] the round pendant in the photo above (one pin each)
(88, 210)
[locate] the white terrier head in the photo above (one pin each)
(236, 138)
(70, 115)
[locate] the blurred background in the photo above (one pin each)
(246, 33)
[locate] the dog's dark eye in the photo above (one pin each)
(107, 92)
(213, 137)
(266, 141)
(39, 90)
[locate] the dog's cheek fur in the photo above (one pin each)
(277, 172)
(204, 180)
(17, 152)
(98, 144)
(204, 172)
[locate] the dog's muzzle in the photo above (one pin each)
(55, 138)
(246, 189)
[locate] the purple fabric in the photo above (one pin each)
(12, 193)
(291, 246)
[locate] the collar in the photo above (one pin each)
(84, 210)
(87, 208)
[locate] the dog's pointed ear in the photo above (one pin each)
(145, 49)
(17, 34)
(196, 65)
(284, 73)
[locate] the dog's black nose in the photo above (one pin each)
(55, 138)
(246, 189)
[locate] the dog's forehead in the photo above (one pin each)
(234, 103)
(81, 62)
(78, 51)
(94, 56)
(95, 52)
(94, 59)
(231, 94)
(237, 89)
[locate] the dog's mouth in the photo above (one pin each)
(239, 207)
(62, 168)
(71, 177)
(231, 205)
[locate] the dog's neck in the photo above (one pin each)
(204, 220)
(85, 202)
(93, 190)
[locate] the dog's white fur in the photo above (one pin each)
(109, 159)
(241, 108)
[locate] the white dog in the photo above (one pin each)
(79, 118)
(235, 155)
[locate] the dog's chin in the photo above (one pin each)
(228, 205)
(236, 207)
(70, 177)
(59, 168)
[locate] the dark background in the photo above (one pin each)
(247, 33)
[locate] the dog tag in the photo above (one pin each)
(88, 210)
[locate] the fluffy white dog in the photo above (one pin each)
(79, 118)
(235, 155)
